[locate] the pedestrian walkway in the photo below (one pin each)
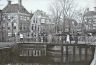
(87, 42)
(6, 44)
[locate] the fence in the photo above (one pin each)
(61, 39)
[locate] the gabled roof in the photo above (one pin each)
(90, 13)
(15, 8)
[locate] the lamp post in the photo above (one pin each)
(2, 34)
(12, 29)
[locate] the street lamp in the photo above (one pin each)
(12, 29)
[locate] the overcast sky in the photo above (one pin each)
(33, 5)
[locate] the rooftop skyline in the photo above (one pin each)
(33, 5)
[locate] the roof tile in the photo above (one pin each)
(15, 8)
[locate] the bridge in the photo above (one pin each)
(62, 49)
(82, 48)
(58, 43)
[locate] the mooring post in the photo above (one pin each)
(93, 61)
(66, 54)
(74, 54)
(86, 55)
(80, 49)
(61, 52)
(93, 51)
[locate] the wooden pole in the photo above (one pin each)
(66, 54)
(80, 49)
(74, 52)
(86, 55)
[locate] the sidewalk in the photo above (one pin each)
(6, 44)
(84, 42)
(89, 43)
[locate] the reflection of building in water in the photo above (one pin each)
(33, 50)
(50, 54)
(69, 53)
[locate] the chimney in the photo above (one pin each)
(9, 2)
(20, 2)
(94, 8)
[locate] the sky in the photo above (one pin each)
(33, 5)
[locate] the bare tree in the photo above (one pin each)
(62, 9)
(56, 13)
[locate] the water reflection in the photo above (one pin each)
(45, 56)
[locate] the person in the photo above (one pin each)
(21, 37)
(68, 39)
(76, 39)
(49, 38)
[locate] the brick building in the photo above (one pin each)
(90, 20)
(17, 19)
(40, 25)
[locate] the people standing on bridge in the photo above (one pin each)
(68, 39)
(21, 37)
(76, 39)
(49, 38)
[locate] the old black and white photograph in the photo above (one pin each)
(47, 32)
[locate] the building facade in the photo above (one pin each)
(40, 26)
(17, 19)
(3, 32)
(90, 21)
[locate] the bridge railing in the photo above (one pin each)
(58, 40)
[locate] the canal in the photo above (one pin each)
(47, 55)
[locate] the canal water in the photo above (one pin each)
(46, 56)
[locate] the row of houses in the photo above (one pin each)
(16, 20)
(89, 21)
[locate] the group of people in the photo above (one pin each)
(51, 38)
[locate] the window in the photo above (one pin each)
(9, 34)
(32, 26)
(4, 25)
(12, 17)
(20, 28)
(14, 27)
(35, 27)
(24, 27)
(42, 20)
(14, 24)
(38, 28)
(8, 28)
(36, 21)
(13, 35)
(32, 34)
(9, 17)
(28, 35)
(3, 17)
(21, 17)
(33, 21)
(27, 18)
